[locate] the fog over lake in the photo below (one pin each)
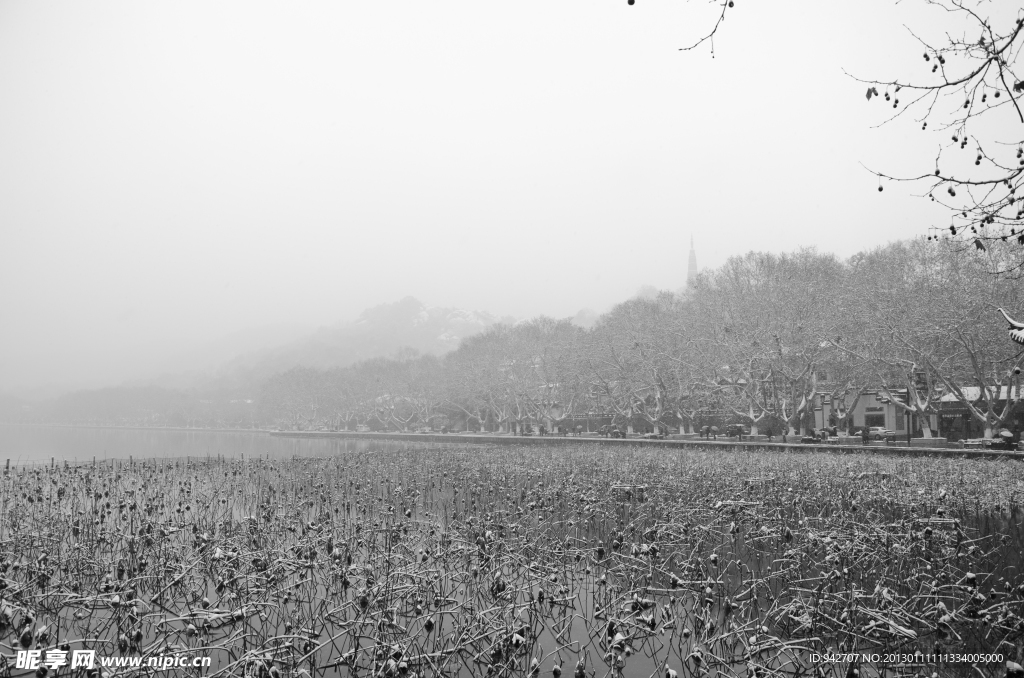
(38, 444)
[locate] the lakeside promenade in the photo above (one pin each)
(900, 449)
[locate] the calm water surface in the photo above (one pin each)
(38, 444)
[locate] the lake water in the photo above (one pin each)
(38, 444)
(433, 525)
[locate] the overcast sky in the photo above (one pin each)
(171, 172)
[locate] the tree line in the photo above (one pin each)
(759, 340)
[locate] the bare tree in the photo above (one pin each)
(295, 397)
(496, 373)
(986, 376)
(770, 318)
(634, 359)
(968, 92)
(935, 333)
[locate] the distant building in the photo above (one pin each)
(958, 424)
(691, 265)
(872, 408)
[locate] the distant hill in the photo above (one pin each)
(198, 363)
(225, 377)
(585, 318)
(382, 331)
(225, 394)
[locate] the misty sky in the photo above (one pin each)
(172, 172)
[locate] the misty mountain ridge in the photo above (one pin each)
(382, 331)
(193, 365)
(234, 365)
(232, 368)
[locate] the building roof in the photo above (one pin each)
(973, 393)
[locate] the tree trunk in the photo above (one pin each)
(753, 429)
